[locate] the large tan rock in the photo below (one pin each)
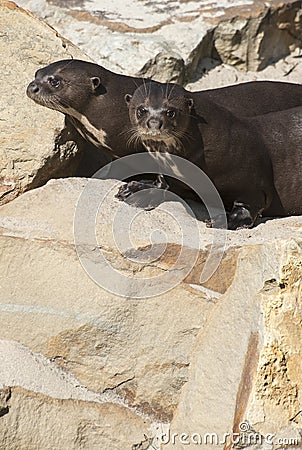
(108, 342)
(31, 151)
(286, 70)
(254, 42)
(50, 395)
(245, 372)
(206, 356)
(248, 38)
(36, 421)
(172, 42)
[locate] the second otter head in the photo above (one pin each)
(67, 85)
(159, 112)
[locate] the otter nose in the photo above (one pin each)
(154, 123)
(33, 88)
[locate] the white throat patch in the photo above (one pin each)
(96, 137)
(166, 161)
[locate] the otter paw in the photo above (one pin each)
(130, 188)
(145, 194)
(240, 217)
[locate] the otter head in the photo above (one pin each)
(67, 84)
(159, 113)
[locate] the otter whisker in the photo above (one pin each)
(136, 84)
(145, 87)
(65, 66)
(129, 131)
(186, 137)
(173, 86)
(133, 139)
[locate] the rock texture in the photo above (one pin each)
(33, 150)
(247, 34)
(107, 342)
(252, 41)
(109, 337)
(228, 348)
(260, 323)
(35, 421)
(288, 69)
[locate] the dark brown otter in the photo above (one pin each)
(160, 115)
(244, 157)
(92, 98)
(281, 133)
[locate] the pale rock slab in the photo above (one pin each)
(41, 375)
(36, 421)
(254, 41)
(259, 321)
(288, 70)
(110, 343)
(31, 151)
(206, 357)
(130, 37)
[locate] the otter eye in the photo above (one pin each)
(54, 82)
(170, 113)
(141, 111)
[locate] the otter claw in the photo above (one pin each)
(146, 194)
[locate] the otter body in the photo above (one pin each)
(244, 157)
(92, 98)
(226, 131)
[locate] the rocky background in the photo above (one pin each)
(84, 368)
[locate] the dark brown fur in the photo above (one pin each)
(98, 94)
(160, 115)
(246, 158)
(224, 136)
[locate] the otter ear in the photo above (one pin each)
(128, 98)
(190, 103)
(95, 82)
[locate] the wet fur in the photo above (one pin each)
(220, 138)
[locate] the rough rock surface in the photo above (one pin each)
(259, 321)
(82, 366)
(68, 424)
(288, 69)
(31, 151)
(226, 349)
(134, 36)
(109, 343)
(255, 40)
